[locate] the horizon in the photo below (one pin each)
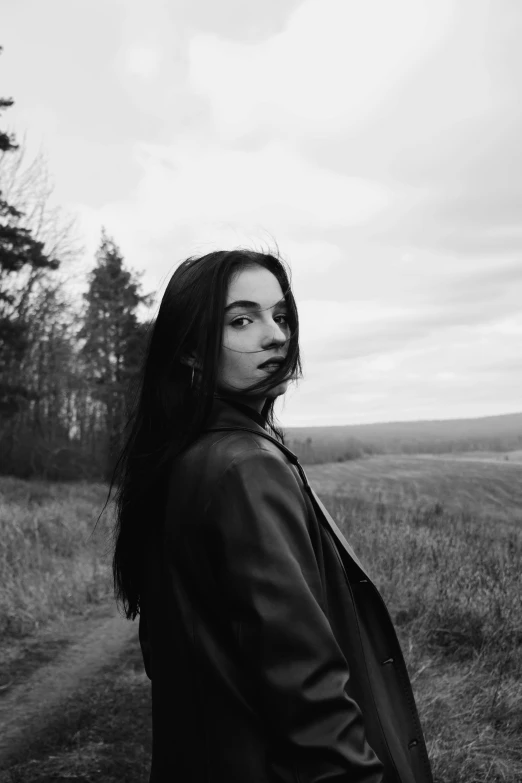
(402, 421)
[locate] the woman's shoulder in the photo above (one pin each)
(248, 460)
(223, 463)
(225, 449)
(197, 470)
(214, 454)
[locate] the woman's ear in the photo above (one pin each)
(191, 361)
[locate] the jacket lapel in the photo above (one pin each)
(234, 420)
(339, 536)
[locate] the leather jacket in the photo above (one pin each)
(271, 654)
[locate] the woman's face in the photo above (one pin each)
(253, 333)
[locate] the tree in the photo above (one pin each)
(28, 185)
(113, 346)
(39, 438)
(19, 251)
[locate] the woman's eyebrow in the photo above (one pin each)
(252, 305)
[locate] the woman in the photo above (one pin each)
(270, 652)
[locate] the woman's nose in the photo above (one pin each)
(276, 335)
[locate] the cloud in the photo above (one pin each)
(191, 181)
(235, 19)
(142, 60)
(191, 191)
(420, 97)
(446, 132)
(346, 330)
(328, 70)
(488, 284)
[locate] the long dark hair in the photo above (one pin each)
(169, 411)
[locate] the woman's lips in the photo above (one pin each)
(271, 367)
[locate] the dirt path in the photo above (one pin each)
(30, 705)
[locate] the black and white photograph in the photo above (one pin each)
(261, 391)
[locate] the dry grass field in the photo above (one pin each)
(50, 565)
(484, 485)
(442, 537)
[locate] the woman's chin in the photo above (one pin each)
(276, 391)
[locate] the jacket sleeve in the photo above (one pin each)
(266, 566)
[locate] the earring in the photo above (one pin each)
(192, 379)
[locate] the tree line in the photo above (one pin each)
(66, 373)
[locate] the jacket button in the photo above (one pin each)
(413, 743)
(388, 660)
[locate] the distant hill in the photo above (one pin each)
(353, 441)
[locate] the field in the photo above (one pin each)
(479, 484)
(442, 537)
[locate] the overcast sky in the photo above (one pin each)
(378, 142)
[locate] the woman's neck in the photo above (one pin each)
(255, 403)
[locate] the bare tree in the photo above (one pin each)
(27, 184)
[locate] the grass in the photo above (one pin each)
(493, 490)
(50, 564)
(442, 540)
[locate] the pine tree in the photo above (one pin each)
(114, 340)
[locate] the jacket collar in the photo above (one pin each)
(226, 415)
(232, 409)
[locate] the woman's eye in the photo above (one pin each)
(236, 322)
(239, 325)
